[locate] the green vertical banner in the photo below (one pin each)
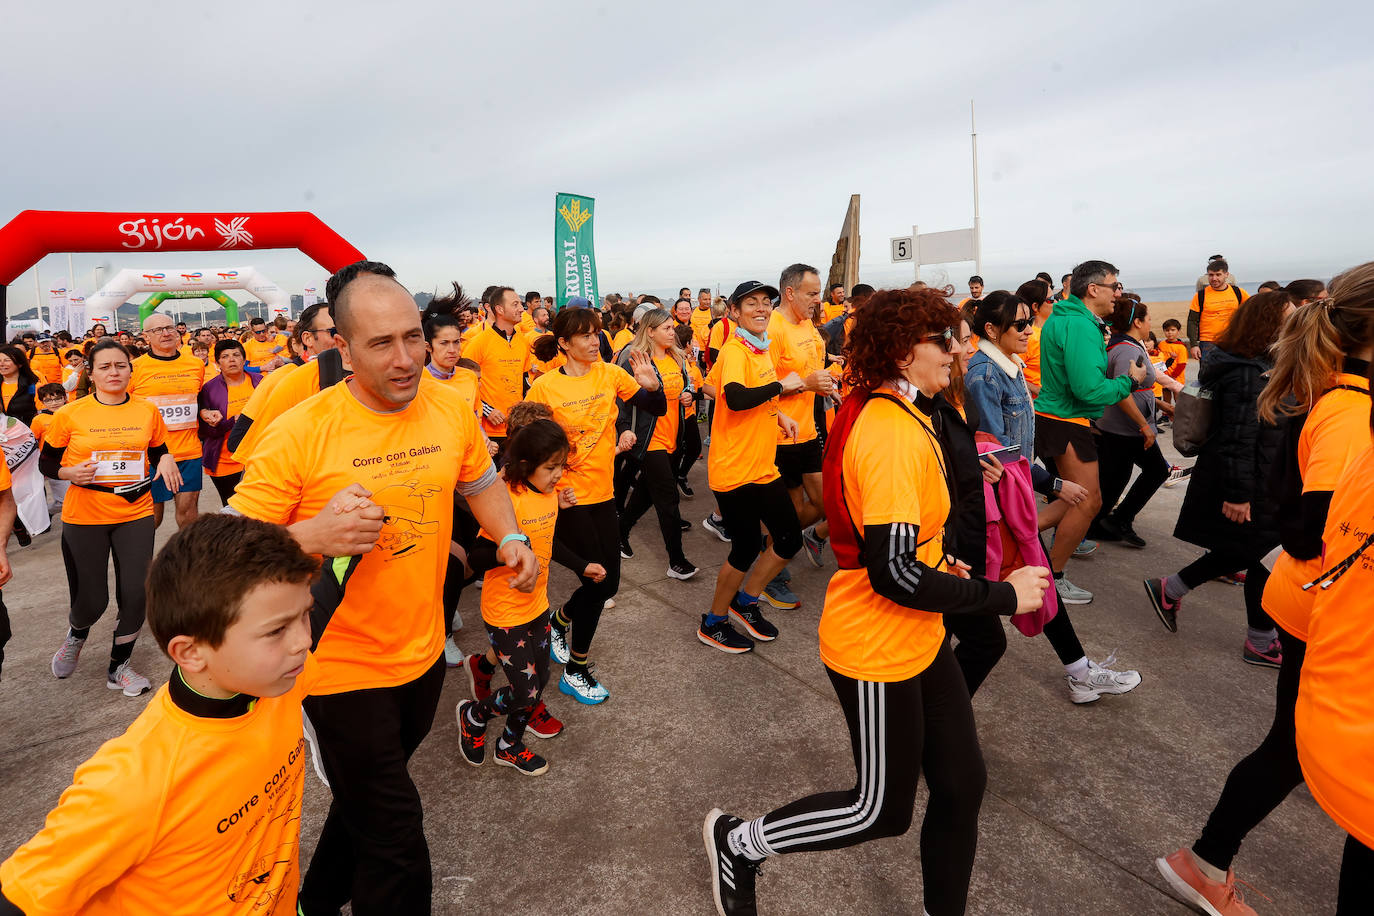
(573, 251)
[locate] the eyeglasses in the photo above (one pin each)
(167, 330)
(330, 331)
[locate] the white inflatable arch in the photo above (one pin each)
(101, 307)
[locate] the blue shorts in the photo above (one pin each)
(190, 481)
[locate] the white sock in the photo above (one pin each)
(747, 840)
(1078, 670)
(1208, 869)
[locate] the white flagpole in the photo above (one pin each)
(977, 227)
(38, 295)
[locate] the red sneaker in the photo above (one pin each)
(479, 682)
(542, 724)
(1217, 898)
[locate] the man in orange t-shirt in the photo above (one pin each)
(503, 353)
(172, 380)
(743, 474)
(401, 443)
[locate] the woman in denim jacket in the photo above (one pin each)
(996, 383)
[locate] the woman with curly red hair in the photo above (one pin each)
(882, 636)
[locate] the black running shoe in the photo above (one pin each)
(1128, 535)
(626, 551)
(753, 621)
(522, 760)
(732, 876)
(685, 488)
(684, 570)
(683, 524)
(724, 637)
(1166, 609)
(472, 739)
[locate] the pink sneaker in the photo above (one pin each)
(1216, 898)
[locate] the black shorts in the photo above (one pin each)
(796, 460)
(745, 508)
(1054, 436)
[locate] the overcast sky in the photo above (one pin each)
(721, 139)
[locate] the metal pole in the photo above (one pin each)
(977, 222)
(916, 253)
(38, 295)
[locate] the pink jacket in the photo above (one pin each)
(1014, 535)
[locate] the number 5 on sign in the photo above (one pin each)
(901, 248)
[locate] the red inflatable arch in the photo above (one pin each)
(33, 234)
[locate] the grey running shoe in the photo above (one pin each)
(125, 678)
(1101, 679)
(1072, 594)
(64, 661)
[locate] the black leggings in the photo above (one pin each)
(1357, 864)
(656, 486)
(465, 530)
(1223, 563)
(1116, 456)
(688, 446)
(744, 508)
(898, 731)
(372, 847)
(86, 552)
(524, 654)
(226, 485)
(596, 532)
(982, 642)
(1260, 782)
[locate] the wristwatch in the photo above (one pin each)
(1058, 485)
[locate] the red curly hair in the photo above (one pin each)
(887, 327)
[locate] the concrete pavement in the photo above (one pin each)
(1080, 799)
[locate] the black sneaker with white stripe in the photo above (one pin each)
(732, 876)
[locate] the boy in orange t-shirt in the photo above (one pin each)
(196, 808)
(1173, 347)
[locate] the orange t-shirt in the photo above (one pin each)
(831, 310)
(68, 372)
(261, 352)
(504, 364)
(1335, 705)
(621, 340)
(701, 326)
(47, 366)
(715, 336)
(1032, 357)
(1216, 309)
(502, 606)
(173, 385)
(39, 426)
(585, 407)
(5, 480)
(464, 381)
(796, 348)
(257, 404)
(472, 331)
(117, 438)
(180, 814)
(238, 396)
(892, 474)
(1179, 351)
(1335, 434)
(694, 374)
(743, 443)
(388, 628)
(664, 438)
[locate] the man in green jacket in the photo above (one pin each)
(1074, 390)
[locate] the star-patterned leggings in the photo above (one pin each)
(523, 652)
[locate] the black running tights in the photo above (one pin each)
(657, 486)
(596, 532)
(523, 651)
(1357, 865)
(688, 446)
(982, 642)
(898, 731)
(1224, 562)
(226, 485)
(1260, 782)
(86, 551)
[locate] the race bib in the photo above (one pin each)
(178, 410)
(117, 466)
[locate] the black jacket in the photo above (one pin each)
(1234, 464)
(966, 531)
(24, 405)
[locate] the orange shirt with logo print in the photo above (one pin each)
(1335, 705)
(743, 443)
(796, 348)
(502, 606)
(1215, 308)
(504, 363)
(117, 438)
(1335, 433)
(585, 407)
(388, 629)
(47, 366)
(701, 326)
(261, 352)
(180, 814)
(1179, 351)
(893, 474)
(173, 385)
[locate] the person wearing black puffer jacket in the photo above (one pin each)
(1229, 509)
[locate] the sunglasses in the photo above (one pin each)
(1022, 323)
(945, 337)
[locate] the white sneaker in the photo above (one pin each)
(453, 656)
(64, 660)
(1101, 679)
(558, 646)
(583, 687)
(125, 678)
(608, 604)
(1070, 593)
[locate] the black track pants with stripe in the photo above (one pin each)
(900, 730)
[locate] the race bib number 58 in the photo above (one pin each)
(116, 466)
